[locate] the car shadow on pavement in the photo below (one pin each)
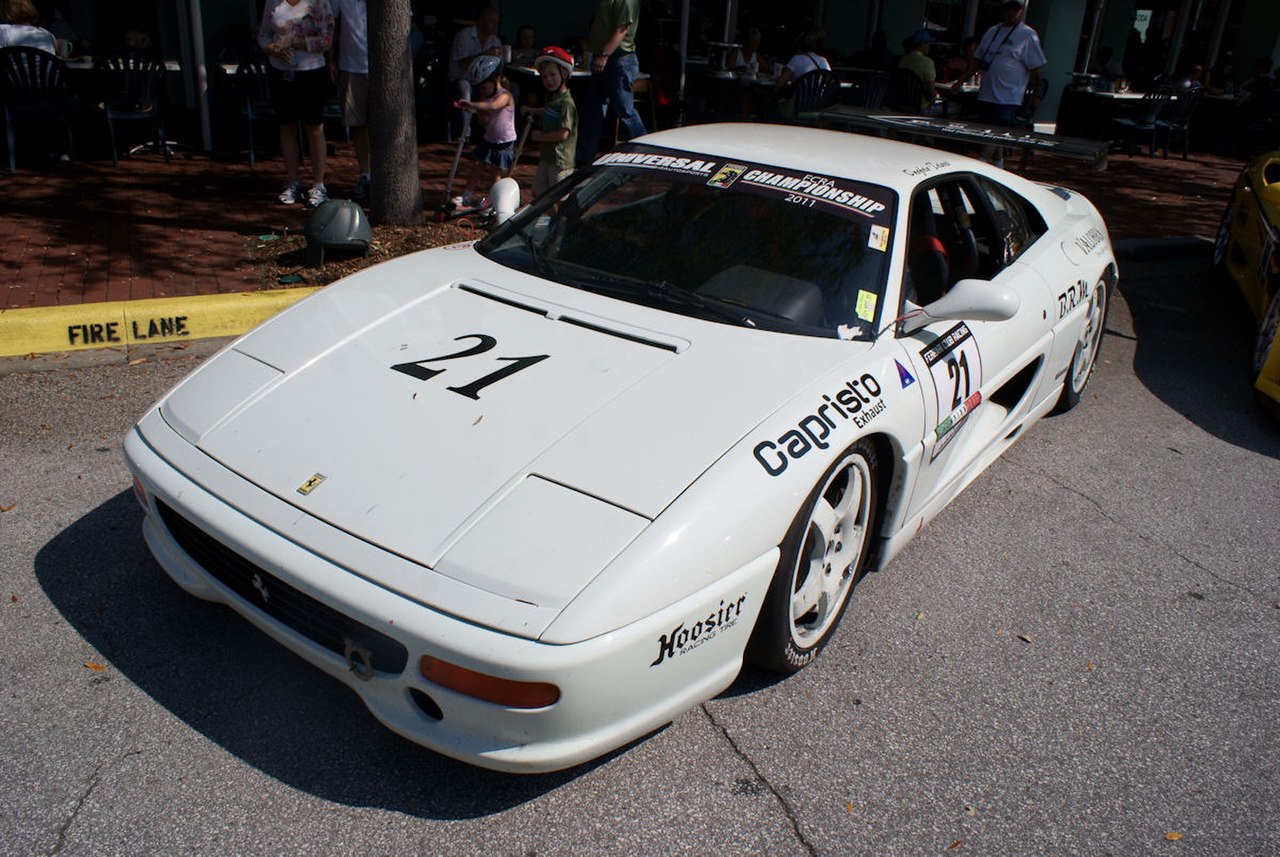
(235, 686)
(1194, 337)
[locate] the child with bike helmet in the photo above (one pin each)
(557, 133)
(494, 107)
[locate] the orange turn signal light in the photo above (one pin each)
(500, 691)
(140, 494)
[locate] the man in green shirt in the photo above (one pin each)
(614, 68)
(917, 60)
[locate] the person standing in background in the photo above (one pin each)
(353, 83)
(611, 41)
(296, 34)
(479, 39)
(1010, 58)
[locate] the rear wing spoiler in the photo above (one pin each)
(843, 117)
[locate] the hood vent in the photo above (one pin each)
(596, 327)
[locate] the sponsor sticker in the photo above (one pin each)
(727, 175)
(878, 239)
(904, 376)
(866, 307)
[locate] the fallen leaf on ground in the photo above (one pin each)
(135, 361)
(1088, 665)
(7, 508)
(920, 616)
(954, 845)
(1026, 638)
(1173, 836)
(13, 599)
(95, 667)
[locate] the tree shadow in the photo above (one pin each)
(237, 687)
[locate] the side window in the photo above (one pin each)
(950, 238)
(1017, 223)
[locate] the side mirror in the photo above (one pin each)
(967, 300)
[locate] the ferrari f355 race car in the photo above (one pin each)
(1247, 250)
(533, 497)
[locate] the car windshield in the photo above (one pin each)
(736, 243)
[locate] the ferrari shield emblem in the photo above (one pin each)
(311, 484)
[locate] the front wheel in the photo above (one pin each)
(1085, 356)
(1267, 332)
(823, 556)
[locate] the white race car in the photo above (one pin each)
(532, 498)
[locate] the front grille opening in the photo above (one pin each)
(427, 704)
(286, 604)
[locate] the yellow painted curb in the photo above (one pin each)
(124, 323)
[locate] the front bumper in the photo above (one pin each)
(614, 688)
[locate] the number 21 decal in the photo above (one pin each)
(420, 370)
(956, 367)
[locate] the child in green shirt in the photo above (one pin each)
(557, 134)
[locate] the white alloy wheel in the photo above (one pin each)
(823, 556)
(1088, 345)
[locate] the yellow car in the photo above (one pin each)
(1246, 249)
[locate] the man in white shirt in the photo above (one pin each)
(470, 42)
(1010, 58)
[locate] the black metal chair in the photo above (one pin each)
(33, 91)
(812, 93)
(1143, 120)
(130, 83)
(906, 91)
(254, 91)
(1179, 121)
(868, 88)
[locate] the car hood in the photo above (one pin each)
(405, 416)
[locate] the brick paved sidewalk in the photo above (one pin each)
(150, 229)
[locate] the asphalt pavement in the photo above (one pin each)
(1077, 657)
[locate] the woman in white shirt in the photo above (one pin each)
(295, 34)
(808, 58)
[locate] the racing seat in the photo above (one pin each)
(780, 295)
(927, 262)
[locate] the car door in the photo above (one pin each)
(978, 377)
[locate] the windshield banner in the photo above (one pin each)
(820, 192)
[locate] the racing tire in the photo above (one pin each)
(1268, 331)
(824, 555)
(1085, 356)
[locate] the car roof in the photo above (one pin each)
(834, 153)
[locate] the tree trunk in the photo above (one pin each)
(393, 134)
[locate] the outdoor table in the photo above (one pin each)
(901, 125)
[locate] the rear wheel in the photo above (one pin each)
(1087, 346)
(823, 556)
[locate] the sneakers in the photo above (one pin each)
(317, 196)
(361, 190)
(292, 194)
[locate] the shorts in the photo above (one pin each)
(353, 89)
(547, 176)
(500, 155)
(301, 99)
